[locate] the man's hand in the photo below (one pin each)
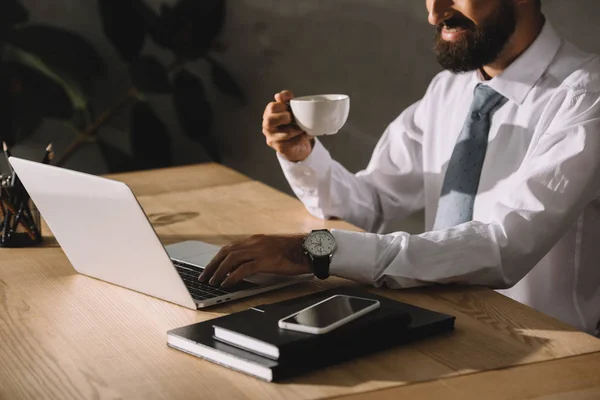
(280, 131)
(260, 253)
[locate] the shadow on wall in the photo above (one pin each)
(49, 72)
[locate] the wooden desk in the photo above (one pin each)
(573, 378)
(188, 177)
(67, 336)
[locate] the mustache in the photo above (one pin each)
(456, 22)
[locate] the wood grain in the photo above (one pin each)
(68, 336)
(228, 213)
(179, 179)
(566, 379)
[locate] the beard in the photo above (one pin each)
(480, 45)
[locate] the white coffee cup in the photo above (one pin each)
(322, 114)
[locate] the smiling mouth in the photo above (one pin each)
(453, 30)
(457, 22)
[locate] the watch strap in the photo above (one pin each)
(321, 266)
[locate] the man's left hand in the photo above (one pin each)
(273, 254)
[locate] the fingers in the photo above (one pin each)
(273, 121)
(275, 108)
(229, 258)
(277, 118)
(229, 264)
(243, 271)
(285, 145)
(258, 253)
(284, 96)
(212, 266)
(282, 134)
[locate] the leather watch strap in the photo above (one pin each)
(321, 267)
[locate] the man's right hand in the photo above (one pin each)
(282, 133)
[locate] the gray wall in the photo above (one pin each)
(377, 51)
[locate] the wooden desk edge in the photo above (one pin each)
(569, 376)
(171, 168)
(123, 176)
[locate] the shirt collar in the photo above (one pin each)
(520, 77)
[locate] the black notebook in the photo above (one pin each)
(392, 324)
(264, 337)
(198, 340)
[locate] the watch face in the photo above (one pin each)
(320, 243)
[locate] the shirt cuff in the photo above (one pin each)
(355, 255)
(308, 172)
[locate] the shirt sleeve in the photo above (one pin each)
(390, 187)
(557, 179)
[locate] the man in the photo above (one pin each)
(502, 152)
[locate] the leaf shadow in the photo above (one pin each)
(165, 219)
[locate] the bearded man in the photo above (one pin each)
(502, 152)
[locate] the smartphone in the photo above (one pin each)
(328, 314)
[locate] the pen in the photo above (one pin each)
(7, 219)
(28, 228)
(24, 214)
(14, 201)
(3, 208)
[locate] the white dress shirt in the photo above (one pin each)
(536, 221)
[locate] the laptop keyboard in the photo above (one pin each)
(200, 291)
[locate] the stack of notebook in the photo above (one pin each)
(251, 341)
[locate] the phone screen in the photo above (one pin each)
(330, 311)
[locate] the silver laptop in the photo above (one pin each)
(104, 232)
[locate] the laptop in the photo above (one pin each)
(106, 235)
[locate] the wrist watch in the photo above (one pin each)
(319, 246)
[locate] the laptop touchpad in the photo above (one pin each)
(201, 260)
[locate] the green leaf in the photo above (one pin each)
(33, 93)
(190, 27)
(116, 159)
(12, 13)
(150, 139)
(28, 96)
(150, 76)
(194, 111)
(66, 53)
(73, 90)
(16, 124)
(124, 26)
(224, 81)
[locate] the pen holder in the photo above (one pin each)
(20, 222)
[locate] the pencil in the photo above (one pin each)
(9, 212)
(22, 218)
(7, 218)
(30, 224)
(18, 221)
(2, 208)
(6, 150)
(49, 155)
(8, 155)
(5, 214)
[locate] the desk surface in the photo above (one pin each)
(67, 336)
